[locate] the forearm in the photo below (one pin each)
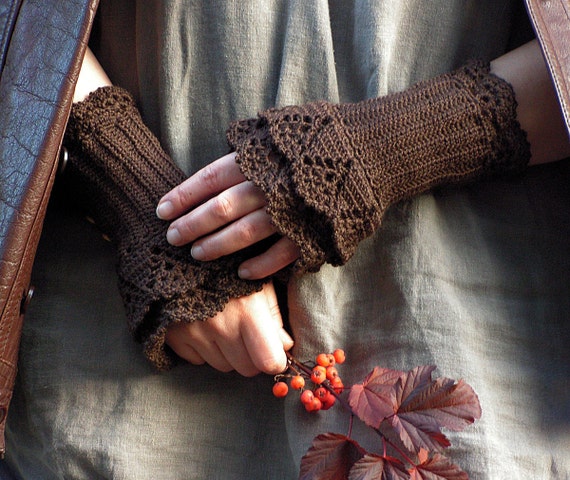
(91, 77)
(538, 110)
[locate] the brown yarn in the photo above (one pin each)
(330, 171)
(120, 171)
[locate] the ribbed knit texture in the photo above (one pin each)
(119, 171)
(330, 171)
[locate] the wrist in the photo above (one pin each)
(91, 77)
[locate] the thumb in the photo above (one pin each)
(276, 317)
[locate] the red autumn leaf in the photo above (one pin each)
(375, 467)
(430, 406)
(412, 381)
(417, 431)
(436, 468)
(453, 405)
(330, 458)
(415, 405)
(372, 400)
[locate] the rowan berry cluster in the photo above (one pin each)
(318, 381)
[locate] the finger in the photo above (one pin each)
(228, 206)
(263, 340)
(218, 341)
(241, 234)
(174, 339)
(196, 336)
(276, 317)
(206, 183)
(278, 256)
(286, 340)
(226, 328)
(213, 356)
(238, 357)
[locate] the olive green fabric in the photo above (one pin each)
(474, 280)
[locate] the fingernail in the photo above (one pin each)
(244, 273)
(164, 210)
(197, 252)
(173, 236)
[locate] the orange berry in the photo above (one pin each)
(337, 385)
(332, 373)
(328, 402)
(314, 406)
(339, 355)
(321, 393)
(319, 374)
(280, 389)
(323, 360)
(307, 397)
(297, 382)
(327, 398)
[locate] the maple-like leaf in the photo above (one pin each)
(436, 468)
(375, 467)
(415, 405)
(430, 406)
(412, 381)
(418, 431)
(331, 457)
(372, 400)
(453, 405)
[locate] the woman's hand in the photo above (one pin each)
(248, 336)
(221, 212)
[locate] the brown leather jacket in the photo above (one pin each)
(41, 47)
(44, 41)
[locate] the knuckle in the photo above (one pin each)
(186, 229)
(216, 328)
(210, 176)
(222, 207)
(192, 336)
(275, 311)
(246, 233)
(183, 195)
(288, 252)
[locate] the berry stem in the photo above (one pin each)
(294, 363)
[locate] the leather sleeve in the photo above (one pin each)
(42, 44)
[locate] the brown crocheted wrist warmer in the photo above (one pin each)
(120, 171)
(330, 171)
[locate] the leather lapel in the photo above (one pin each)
(551, 21)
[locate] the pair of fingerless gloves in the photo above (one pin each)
(329, 173)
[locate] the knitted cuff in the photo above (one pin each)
(119, 172)
(329, 172)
